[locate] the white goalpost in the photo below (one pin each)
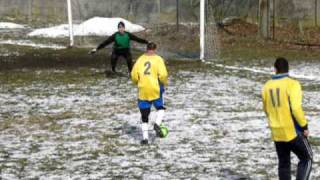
(202, 29)
(70, 23)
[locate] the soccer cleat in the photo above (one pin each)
(157, 128)
(144, 142)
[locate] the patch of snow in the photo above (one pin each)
(31, 44)
(8, 25)
(52, 32)
(97, 26)
(296, 72)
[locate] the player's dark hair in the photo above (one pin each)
(121, 24)
(151, 46)
(281, 65)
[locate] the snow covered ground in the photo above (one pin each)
(31, 44)
(96, 26)
(78, 124)
(9, 25)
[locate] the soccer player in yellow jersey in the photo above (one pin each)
(150, 74)
(282, 98)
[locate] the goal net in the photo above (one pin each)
(173, 25)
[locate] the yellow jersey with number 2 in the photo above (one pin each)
(148, 72)
(282, 97)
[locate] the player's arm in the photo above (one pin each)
(163, 73)
(135, 74)
(137, 39)
(106, 42)
(103, 44)
(296, 107)
(264, 101)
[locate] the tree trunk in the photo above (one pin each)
(177, 15)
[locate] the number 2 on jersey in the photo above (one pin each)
(147, 65)
(275, 102)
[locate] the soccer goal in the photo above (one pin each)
(182, 29)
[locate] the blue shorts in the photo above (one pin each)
(158, 103)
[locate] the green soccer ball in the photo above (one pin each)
(164, 130)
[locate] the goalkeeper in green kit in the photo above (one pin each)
(121, 46)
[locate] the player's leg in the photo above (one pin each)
(127, 55)
(283, 152)
(114, 59)
(144, 107)
(159, 105)
(144, 126)
(160, 115)
(302, 149)
(158, 124)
